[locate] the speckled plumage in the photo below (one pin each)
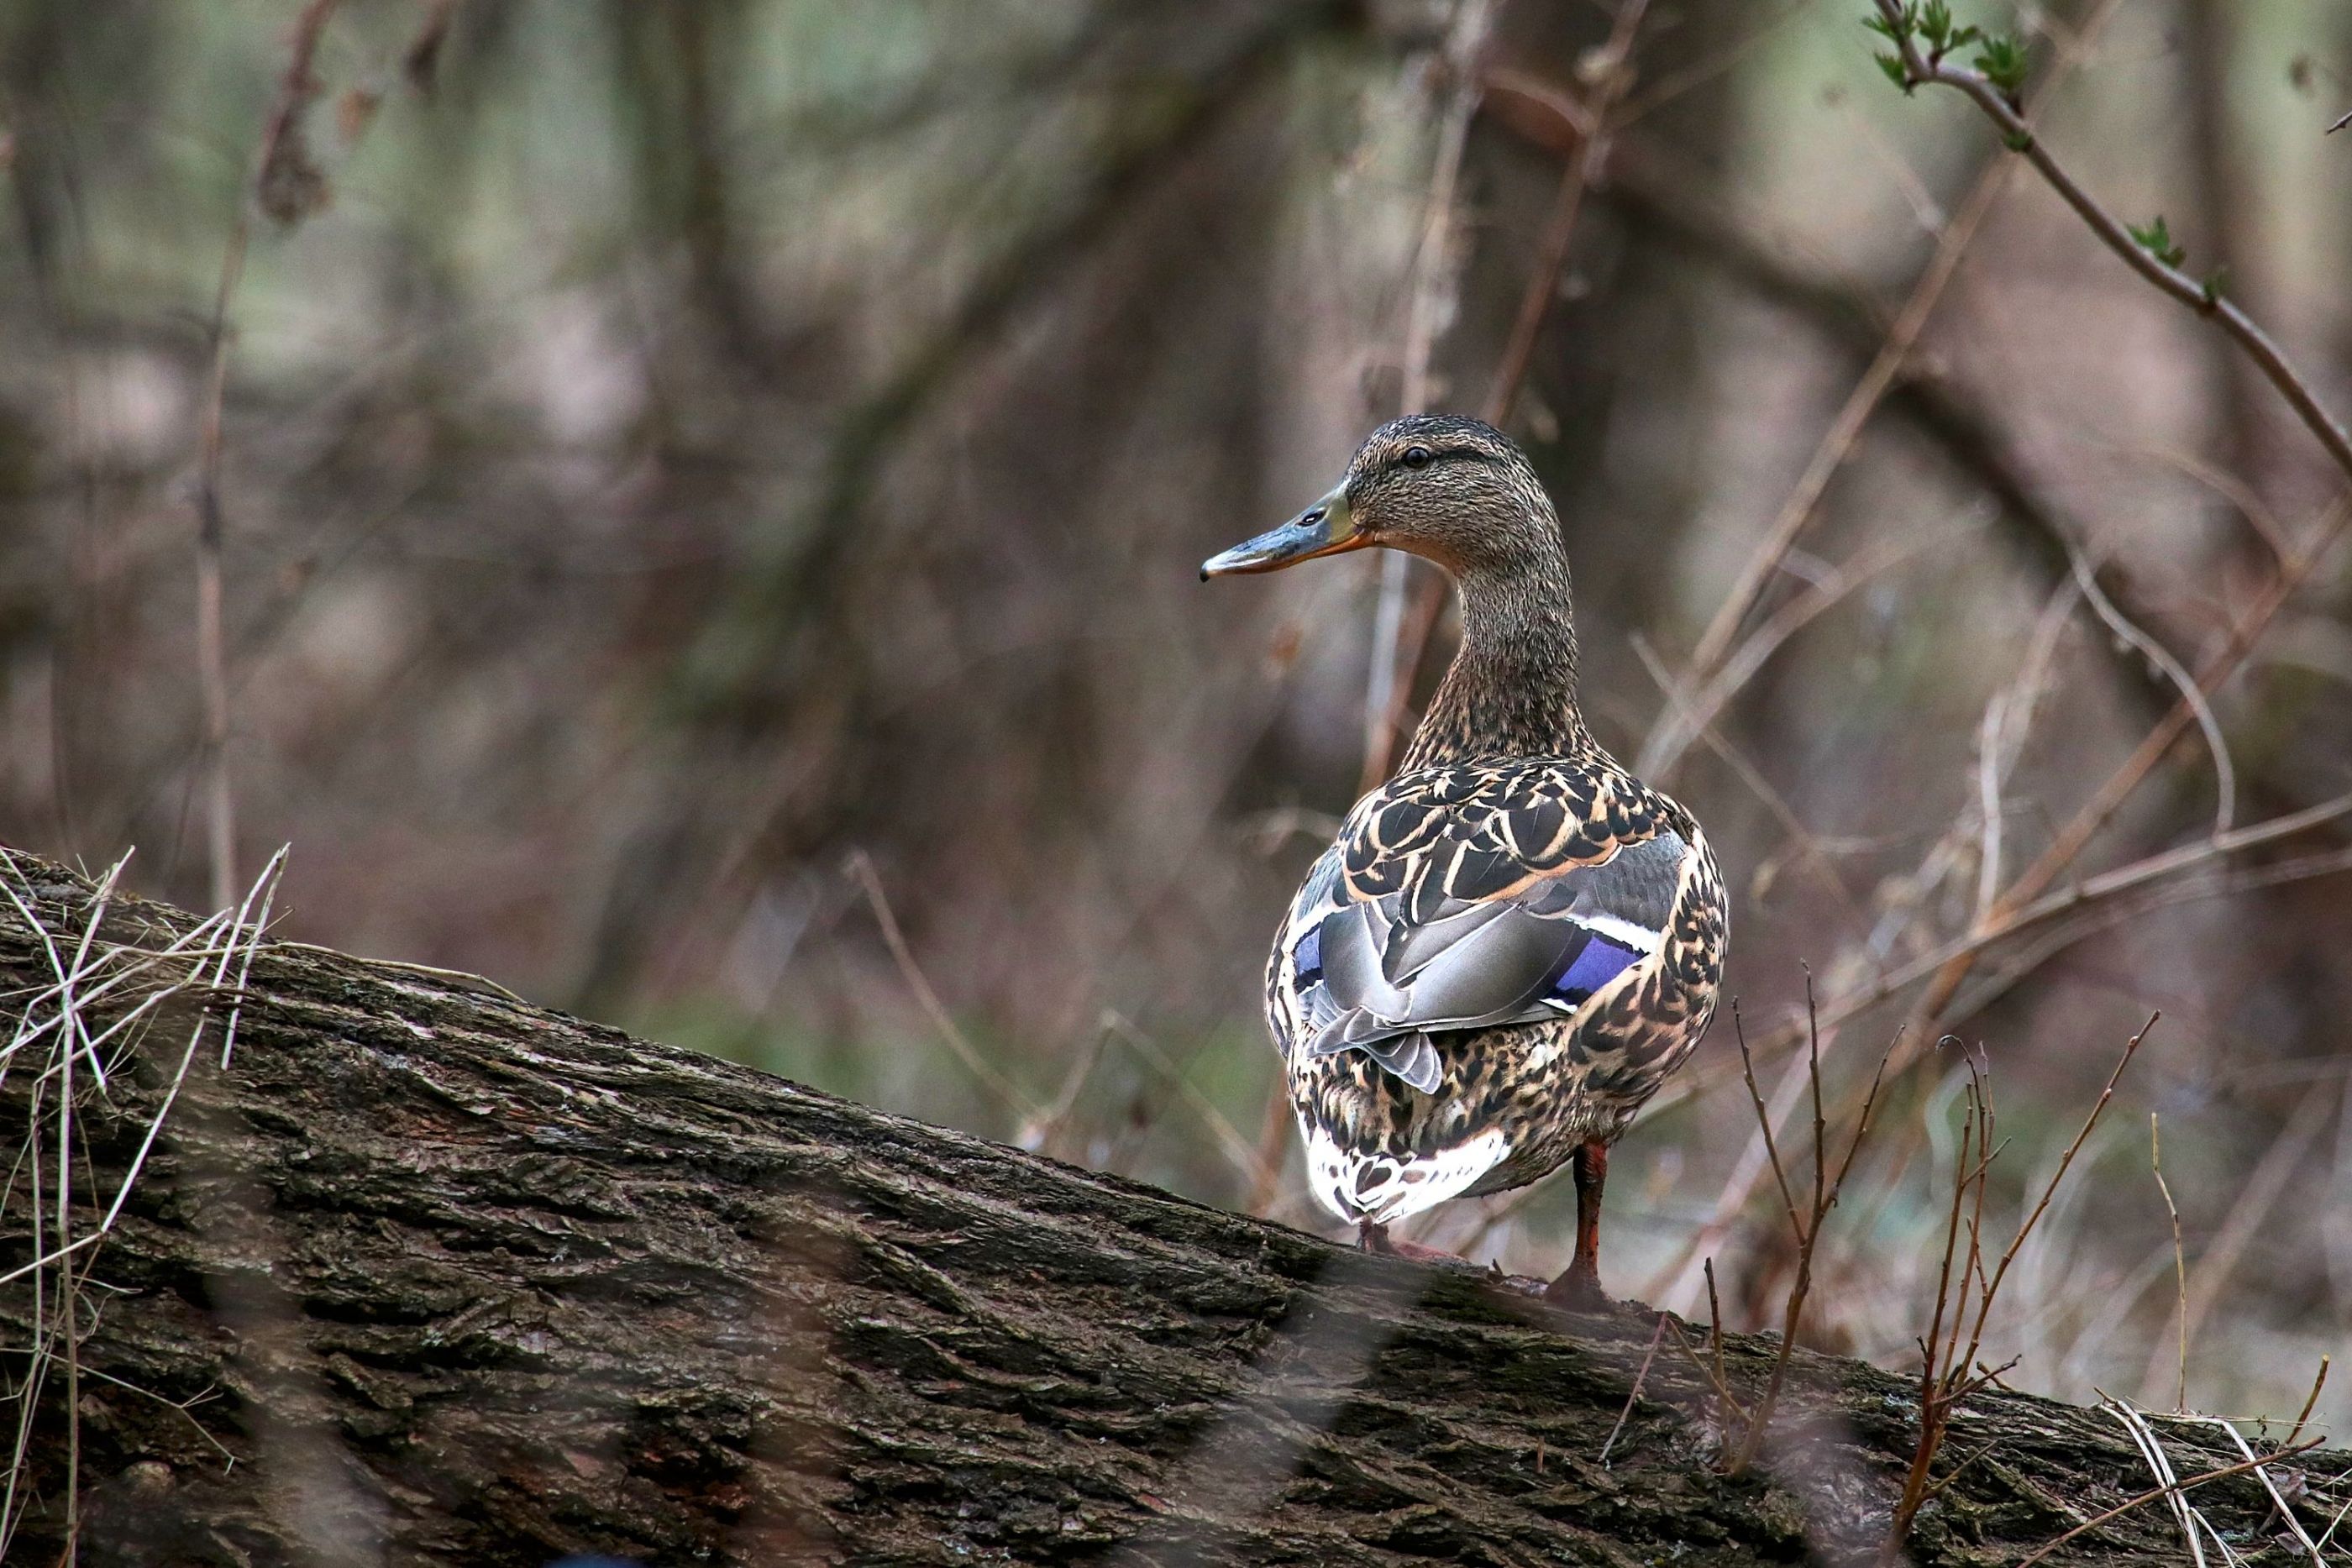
(1545, 1083)
(1513, 943)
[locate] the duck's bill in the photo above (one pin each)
(1323, 528)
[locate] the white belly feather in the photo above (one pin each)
(1382, 1189)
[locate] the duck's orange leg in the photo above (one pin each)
(1579, 1284)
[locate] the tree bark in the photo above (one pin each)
(453, 1278)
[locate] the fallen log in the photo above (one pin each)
(426, 1274)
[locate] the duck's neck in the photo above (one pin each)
(1511, 689)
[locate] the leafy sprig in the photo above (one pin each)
(2001, 60)
(1929, 27)
(2156, 239)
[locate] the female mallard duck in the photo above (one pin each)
(1514, 940)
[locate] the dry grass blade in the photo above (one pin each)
(2272, 1179)
(2278, 1499)
(90, 970)
(2192, 1523)
(2170, 1489)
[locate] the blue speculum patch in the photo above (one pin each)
(1600, 962)
(1307, 956)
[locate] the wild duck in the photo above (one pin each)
(1513, 941)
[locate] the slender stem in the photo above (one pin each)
(2179, 1259)
(1578, 176)
(1764, 1121)
(1614, 76)
(2317, 1384)
(1671, 738)
(1435, 274)
(2086, 824)
(2201, 296)
(1656, 1336)
(2089, 1122)
(1025, 1110)
(296, 88)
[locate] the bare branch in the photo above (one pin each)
(1435, 276)
(1400, 640)
(1667, 740)
(2203, 297)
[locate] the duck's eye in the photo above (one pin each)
(1415, 457)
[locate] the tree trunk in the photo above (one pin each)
(453, 1278)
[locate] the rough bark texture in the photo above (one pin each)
(474, 1282)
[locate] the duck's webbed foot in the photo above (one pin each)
(1577, 1289)
(1374, 1237)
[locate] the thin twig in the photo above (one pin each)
(1707, 67)
(1025, 1110)
(1633, 1392)
(1714, 1375)
(2086, 823)
(1436, 277)
(2050, 1189)
(1614, 76)
(2093, 890)
(1951, 1368)
(277, 151)
(1715, 1345)
(2201, 296)
(2225, 776)
(2311, 1402)
(1808, 1232)
(1695, 703)
(1237, 1148)
(2179, 1258)
(1038, 1135)
(1667, 739)
(1764, 1116)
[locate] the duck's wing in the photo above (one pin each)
(1466, 897)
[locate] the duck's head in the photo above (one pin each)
(1454, 490)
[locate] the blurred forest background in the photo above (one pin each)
(708, 496)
